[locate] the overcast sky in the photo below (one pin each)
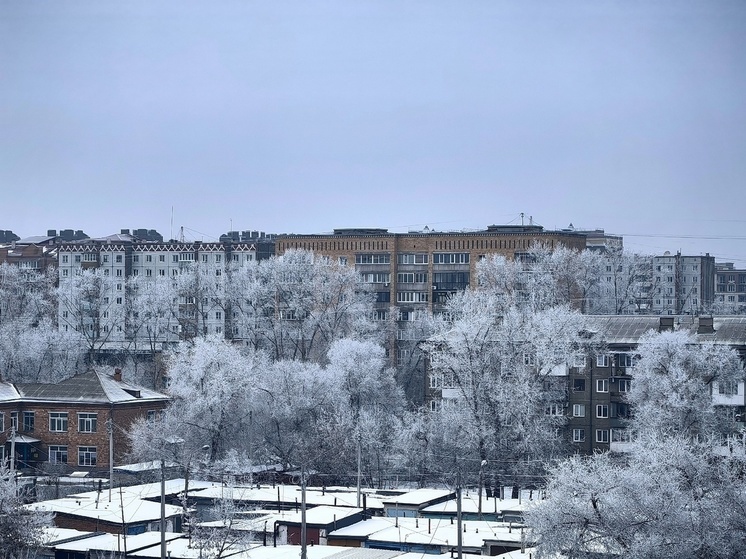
(304, 116)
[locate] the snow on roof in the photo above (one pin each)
(418, 497)
(470, 504)
(321, 515)
(134, 509)
(51, 535)
(438, 532)
(91, 386)
(8, 392)
(287, 495)
(150, 490)
(117, 542)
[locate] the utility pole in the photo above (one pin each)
(163, 508)
(460, 536)
(359, 465)
(481, 484)
(303, 545)
(12, 449)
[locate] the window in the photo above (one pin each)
(343, 261)
(77, 258)
(578, 435)
(14, 420)
(148, 258)
(160, 272)
(118, 258)
(602, 360)
(411, 296)
(58, 421)
(621, 436)
(578, 410)
(602, 435)
(402, 355)
(602, 410)
(2, 421)
(90, 257)
(554, 410)
(57, 454)
(602, 385)
(418, 258)
(624, 385)
(383, 296)
(376, 278)
(372, 259)
(119, 300)
(86, 456)
(380, 315)
(87, 422)
(119, 287)
(151, 415)
(218, 258)
(728, 388)
(174, 258)
(451, 258)
(624, 360)
(105, 257)
(64, 259)
(28, 421)
(136, 258)
(578, 385)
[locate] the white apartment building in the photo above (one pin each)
(683, 284)
(105, 312)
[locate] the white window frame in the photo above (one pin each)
(578, 410)
(602, 436)
(602, 385)
(87, 456)
(58, 422)
(578, 435)
(87, 422)
(602, 411)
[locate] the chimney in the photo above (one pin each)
(118, 374)
(705, 325)
(666, 323)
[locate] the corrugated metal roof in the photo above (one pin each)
(91, 386)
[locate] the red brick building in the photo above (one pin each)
(67, 424)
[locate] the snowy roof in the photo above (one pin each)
(52, 535)
(627, 330)
(117, 542)
(8, 392)
(322, 515)
(287, 495)
(35, 240)
(434, 532)
(150, 490)
(133, 509)
(419, 497)
(470, 504)
(91, 386)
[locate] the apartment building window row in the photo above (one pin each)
(451, 280)
(451, 258)
(413, 258)
(376, 278)
(411, 297)
(411, 277)
(372, 259)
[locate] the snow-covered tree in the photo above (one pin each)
(667, 499)
(21, 529)
(296, 305)
(675, 493)
(92, 304)
(672, 386)
(504, 370)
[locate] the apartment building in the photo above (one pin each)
(730, 288)
(597, 385)
(121, 257)
(683, 284)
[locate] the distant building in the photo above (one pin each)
(683, 284)
(730, 288)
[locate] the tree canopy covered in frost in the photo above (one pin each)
(675, 493)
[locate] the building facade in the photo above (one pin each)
(70, 424)
(683, 284)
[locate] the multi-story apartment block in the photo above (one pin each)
(730, 288)
(102, 312)
(419, 270)
(596, 407)
(683, 284)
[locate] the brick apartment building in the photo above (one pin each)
(67, 424)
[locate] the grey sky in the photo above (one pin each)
(303, 116)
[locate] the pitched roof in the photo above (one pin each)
(92, 387)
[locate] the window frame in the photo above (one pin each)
(62, 417)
